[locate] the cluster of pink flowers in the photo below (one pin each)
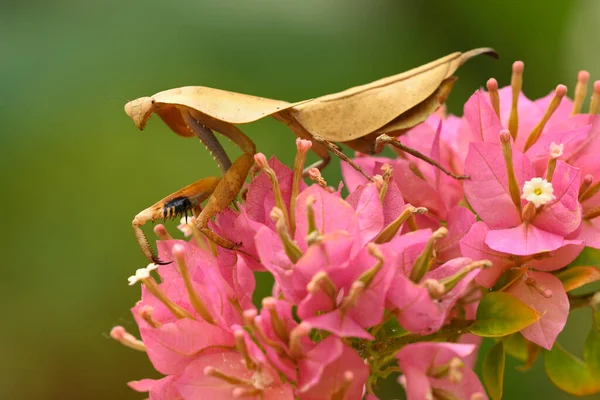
(369, 285)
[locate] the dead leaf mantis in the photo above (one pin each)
(365, 118)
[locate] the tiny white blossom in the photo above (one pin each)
(141, 273)
(185, 226)
(538, 191)
(556, 150)
(151, 267)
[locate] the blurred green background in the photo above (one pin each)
(75, 170)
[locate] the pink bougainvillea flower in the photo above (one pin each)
(221, 283)
(517, 225)
(173, 330)
(347, 295)
(423, 307)
(437, 370)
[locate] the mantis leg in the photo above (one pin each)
(175, 205)
(336, 150)
(225, 193)
(384, 139)
(234, 176)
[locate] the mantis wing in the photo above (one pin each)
(214, 108)
(361, 110)
(231, 107)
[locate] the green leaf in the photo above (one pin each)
(591, 348)
(588, 256)
(575, 277)
(522, 349)
(500, 314)
(515, 346)
(569, 373)
(391, 329)
(493, 370)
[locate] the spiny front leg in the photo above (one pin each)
(225, 193)
(177, 204)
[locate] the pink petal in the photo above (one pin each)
(143, 385)
(353, 178)
(369, 211)
(339, 324)
(393, 204)
(459, 222)
(563, 215)
(418, 358)
(424, 355)
(558, 258)
(172, 346)
(160, 313)
(334, 252)
(246, 230)
(482, 118)
(421, 138)
(529, 113)
(523, 240)
(447, 302)
(590, 232)
(417, 383)
(160, 389)
(369, 309)
(435, 154)
(591, 145)
(314, 363)
(332, 376)
(260, 199)
(571, 139)
(331, 214)
(473, 246)
(408, 247)
(275, 260)
(487, 190)
(193, 384)
(415, 310)
(417, 191)
(315, 303)
(554, 309)
(469, 385)
(471, 360)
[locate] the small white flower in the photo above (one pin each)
(538, 191)
(556, 150)
(141, 273)
(151, 267)
(185, 226)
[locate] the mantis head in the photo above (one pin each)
(140, 110)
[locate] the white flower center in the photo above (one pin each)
(538, 191)
(556, 150)
(261, 380)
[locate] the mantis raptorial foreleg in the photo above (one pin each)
(220, 192)
(233, 179)
(175, 205)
